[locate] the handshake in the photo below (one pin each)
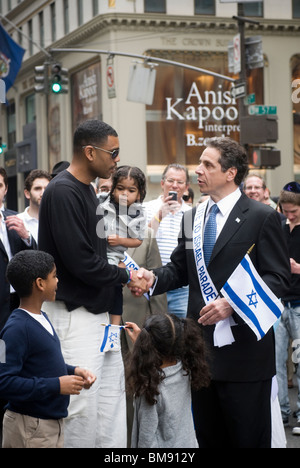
(141, 281)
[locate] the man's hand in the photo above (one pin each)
(16, 223)
(215, 312)
(141, 281)
(168, 206)
(295, 267)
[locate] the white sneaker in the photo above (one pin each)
(296, 429)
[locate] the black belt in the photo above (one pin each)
(293, 303)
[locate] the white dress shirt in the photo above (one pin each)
(225, 207)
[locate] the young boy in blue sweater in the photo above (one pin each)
(34, 378)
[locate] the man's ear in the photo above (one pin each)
(27, 194)
(231, 173)
(89, 153)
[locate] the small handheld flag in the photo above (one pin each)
(111, 338)
(251, 298)
(11, 56)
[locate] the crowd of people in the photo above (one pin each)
(116, 331)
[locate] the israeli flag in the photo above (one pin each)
(251, 298)
(111, 338)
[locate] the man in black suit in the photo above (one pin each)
(235, 410)
(14, 237)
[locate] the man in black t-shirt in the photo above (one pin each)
(68, 231)
(289, 324)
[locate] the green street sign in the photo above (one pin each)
(250, 99)
(262, 110)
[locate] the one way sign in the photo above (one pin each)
(238, 91)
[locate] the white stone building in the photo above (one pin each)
(188, 106)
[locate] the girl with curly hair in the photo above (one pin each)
(168, 358)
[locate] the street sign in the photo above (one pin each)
(237, 54)
(262, 110)
(238, 91)
(250, 99)
(110, 79)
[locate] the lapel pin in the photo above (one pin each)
(237, 220)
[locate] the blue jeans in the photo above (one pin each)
(288, 328)
(178, 301)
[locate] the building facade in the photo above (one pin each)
(188, 106)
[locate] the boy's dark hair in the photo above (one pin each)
(165, 336)
(92, 132)
(25, 267)
(135, 173)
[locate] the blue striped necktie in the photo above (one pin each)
(210, 233)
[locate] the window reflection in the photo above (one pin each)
(189, 107)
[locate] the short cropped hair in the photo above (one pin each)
(25, 267)
(232, 155)
(177, 167)
(258, 176)
(91, 132)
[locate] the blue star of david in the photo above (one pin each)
(252, 298)
(113, 337)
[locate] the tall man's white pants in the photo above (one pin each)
(96, 417)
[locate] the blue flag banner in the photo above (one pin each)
(251, 298)
(11, 56)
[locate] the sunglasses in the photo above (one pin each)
(114, 153)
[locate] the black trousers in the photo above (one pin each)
(233, 415)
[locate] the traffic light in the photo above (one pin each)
(264, 157)
(41, 78)
(59, 79)
(2, 146)
(258, 129)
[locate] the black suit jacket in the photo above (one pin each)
(249, 223)
(16, 245)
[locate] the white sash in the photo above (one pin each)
(222, 334)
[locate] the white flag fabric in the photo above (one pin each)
(251, 298)
(111, 338)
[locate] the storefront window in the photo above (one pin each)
(295, 69)
(11, 125)
(205, 7)
(155, 6)
(30, 108)
(189, 107)
(296, 8)
(253, 9)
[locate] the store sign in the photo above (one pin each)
(86, 94)
(213, 111)
(190, 107)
